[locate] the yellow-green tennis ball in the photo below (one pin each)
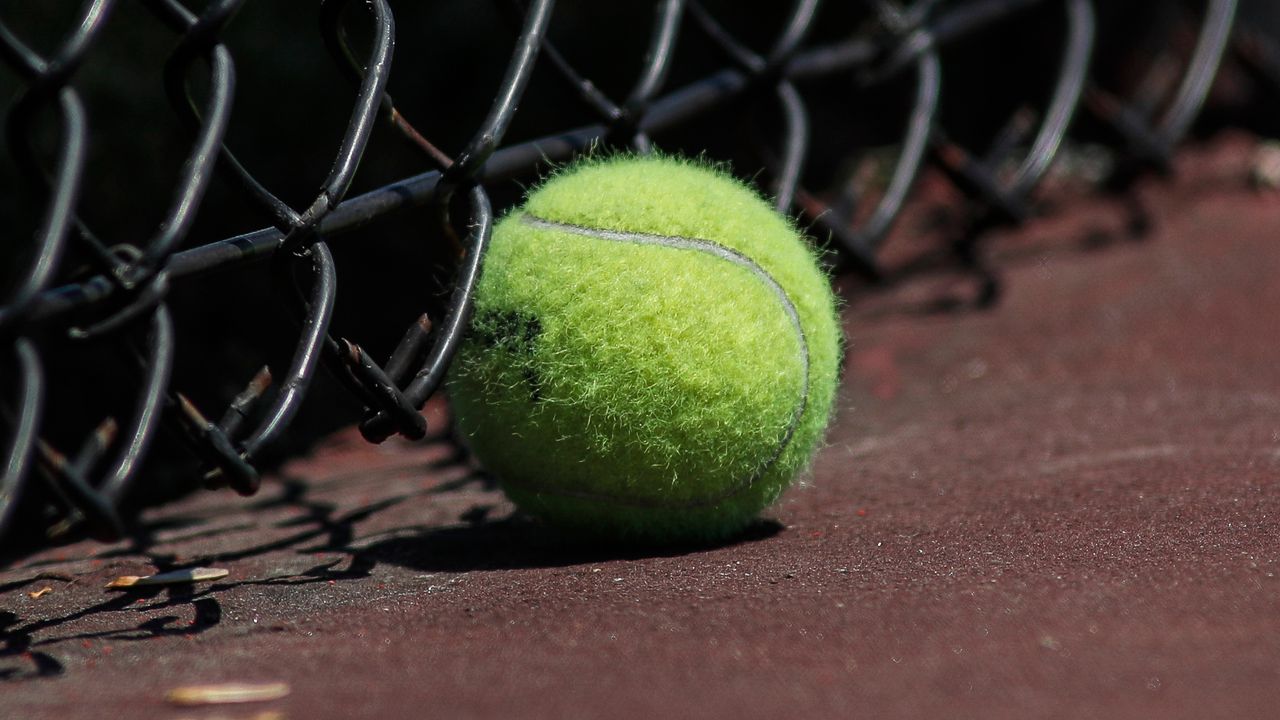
(653, 355)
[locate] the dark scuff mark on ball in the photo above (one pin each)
(515, 333)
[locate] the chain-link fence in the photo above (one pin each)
(883, 70)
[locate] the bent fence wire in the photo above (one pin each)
(122, 297)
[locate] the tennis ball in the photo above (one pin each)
(653, 354)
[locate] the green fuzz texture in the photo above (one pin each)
(639, 391)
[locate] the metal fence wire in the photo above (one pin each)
(117, 294)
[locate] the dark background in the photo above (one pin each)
(292, 105)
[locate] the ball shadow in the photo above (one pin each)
(519, 543)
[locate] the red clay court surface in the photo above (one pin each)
(1068, 506)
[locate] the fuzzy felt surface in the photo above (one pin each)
(654, 352)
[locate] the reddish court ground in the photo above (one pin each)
(1068, 506)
